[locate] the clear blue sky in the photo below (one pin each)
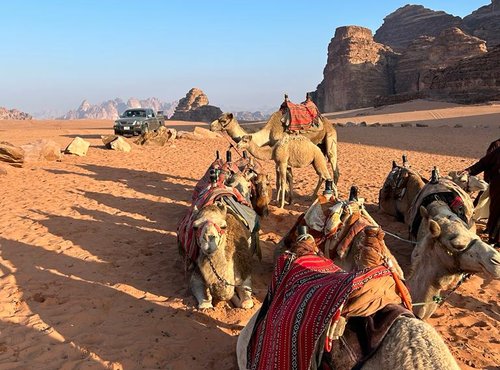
(243, 54)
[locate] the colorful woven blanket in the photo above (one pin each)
(304, 295)
(204, 183)
(302, 115)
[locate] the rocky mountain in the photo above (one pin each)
(410, 57)
(111, 109)
(357, 70)
(194, 107)
(13, 114)
(485, 23)
(471, 80)
(406, 24)
(427, 53)
(251, 116)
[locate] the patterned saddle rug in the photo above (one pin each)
(300, 117)
(305, 294)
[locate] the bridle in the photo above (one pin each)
(220, 230)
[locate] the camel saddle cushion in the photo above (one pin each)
(300, 117)
(304, 295)
(447, 191)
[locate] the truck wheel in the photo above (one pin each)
(117, 132)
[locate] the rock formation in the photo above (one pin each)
(194, 107)
(406, 24)
(427, 52)
(13, 114)
(251, 116)
(111, 109)
(357, 70)
(485, 23)
(471, 80)
(11, 154)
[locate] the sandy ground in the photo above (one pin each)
(90, 276)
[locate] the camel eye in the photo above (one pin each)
(223, 227)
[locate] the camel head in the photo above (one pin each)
(467, 182)
(210, 228)
(242, 182)
(222, 123)
(262, 193)
(244, 143)
(453, 245)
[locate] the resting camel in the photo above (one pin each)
(446, 248)
(291, 150)
(273, 131)
(403, 184)
(408, 342)
(223, 266)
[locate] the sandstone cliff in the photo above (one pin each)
(404, 25)
(358, 69)
(485, 23)
(13, 114)
(427, 52)
(194, 107)
(471, 80)
(111, 109)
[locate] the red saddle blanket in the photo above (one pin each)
(304, 295)
(302, 115)
(185, 231)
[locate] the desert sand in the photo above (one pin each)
(89, 270)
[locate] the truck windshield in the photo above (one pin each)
(134, 113)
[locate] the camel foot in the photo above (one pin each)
(205, 305)
(247, 304)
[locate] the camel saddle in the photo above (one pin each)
(444, 190)
(300, 118)
(395, 183)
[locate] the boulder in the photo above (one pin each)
(11, 154)
(42, 150)
(189, 136)
(160, 137)
(107, 139)
(78, 147)
(120, 144)
(206, 133)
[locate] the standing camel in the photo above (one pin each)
(274, 130)
(292, 150)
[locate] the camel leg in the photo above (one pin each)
(331, 154)
(320, 181)
(200, 291)
(282, 171)
(243, 297)
(278, 178)
(289, 180)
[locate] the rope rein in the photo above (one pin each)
(400, 238)
(439, 300)
(224, 281)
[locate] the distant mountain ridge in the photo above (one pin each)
(13, 114)
(111, 109)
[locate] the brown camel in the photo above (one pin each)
(292, 150)
(273, 131)
(397, 349)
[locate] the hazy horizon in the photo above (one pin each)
(244, 55)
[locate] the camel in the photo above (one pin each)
(291, 150)
(223, 266)
(273, 131)
(403, 184)
(409, 343)
(446, 249)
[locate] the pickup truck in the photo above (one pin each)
(137, 121)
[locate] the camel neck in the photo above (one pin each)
(427, 280)
(260, 152)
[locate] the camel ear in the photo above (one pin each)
(434, 229)
(424, 213)
(246, 138)
(197, 223)
(223, 208)
(230, 116)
